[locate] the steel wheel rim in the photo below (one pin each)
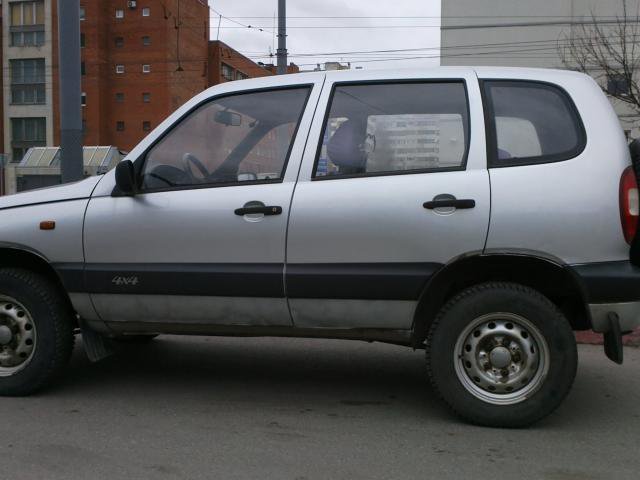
(501, 358)
(17, 336)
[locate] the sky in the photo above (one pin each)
(413, 27)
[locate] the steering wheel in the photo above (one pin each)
(189, 159)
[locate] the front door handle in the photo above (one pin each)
(265, 210)
(449, 202)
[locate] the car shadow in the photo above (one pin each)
(303, 374)
(260, 371)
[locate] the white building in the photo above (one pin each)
(27, 48)
(526, 33)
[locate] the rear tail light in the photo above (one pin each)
(629, 204)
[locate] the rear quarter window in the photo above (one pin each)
(529, 123)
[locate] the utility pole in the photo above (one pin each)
(71, 163)
(282, 37)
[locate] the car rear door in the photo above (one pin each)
(203, 241)
(393, 186)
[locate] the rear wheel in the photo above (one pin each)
(502, 355)
(36, 332)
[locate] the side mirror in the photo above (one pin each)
(126, 178)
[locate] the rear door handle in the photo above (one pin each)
(265, 210)
(449, 203)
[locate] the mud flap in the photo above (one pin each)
(613, 339)
(96, 345)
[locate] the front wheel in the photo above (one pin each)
(501, 355)
(36, 332)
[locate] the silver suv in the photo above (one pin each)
(481, 213)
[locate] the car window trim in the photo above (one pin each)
(491, 129)
(461, 167)
(140, 162)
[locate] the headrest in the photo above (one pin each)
(345, 146)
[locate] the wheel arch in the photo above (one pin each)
(546, 274)
(19, 256)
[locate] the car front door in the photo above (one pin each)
(393, 187)
(203, 241)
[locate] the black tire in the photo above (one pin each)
(134, 339)
(485, 299)
(53, 320)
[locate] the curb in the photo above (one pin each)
(591, 338)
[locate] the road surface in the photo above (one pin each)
(303, 409)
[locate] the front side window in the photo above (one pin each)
(230, 140)
(387, 128)
(530, 122)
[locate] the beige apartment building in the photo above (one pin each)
(27, 88)
(526, 33)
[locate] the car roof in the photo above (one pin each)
(412, 73)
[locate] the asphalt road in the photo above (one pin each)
(303, 409)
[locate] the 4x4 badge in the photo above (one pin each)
(124, 281)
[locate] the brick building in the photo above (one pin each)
(141, 59)
(227, 64)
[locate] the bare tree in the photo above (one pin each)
(607, 50)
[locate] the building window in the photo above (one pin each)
(146, 97)
(618, 85)
(146, 126)
(27, 23)
(120, 126)
(83, 99)
(146, 40)
(27, 81)
(146, 12)
(119, 68)
(146, 68)
(82, 13)
(83, 68)
(119, 13)
(120, 97)
(119, 42)
(82, 40)
(241, 76)
(26, 133)
(227, 72)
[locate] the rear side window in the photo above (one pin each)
(391, 128)
(530, 122)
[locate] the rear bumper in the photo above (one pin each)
(611, 288)
(628, 314)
